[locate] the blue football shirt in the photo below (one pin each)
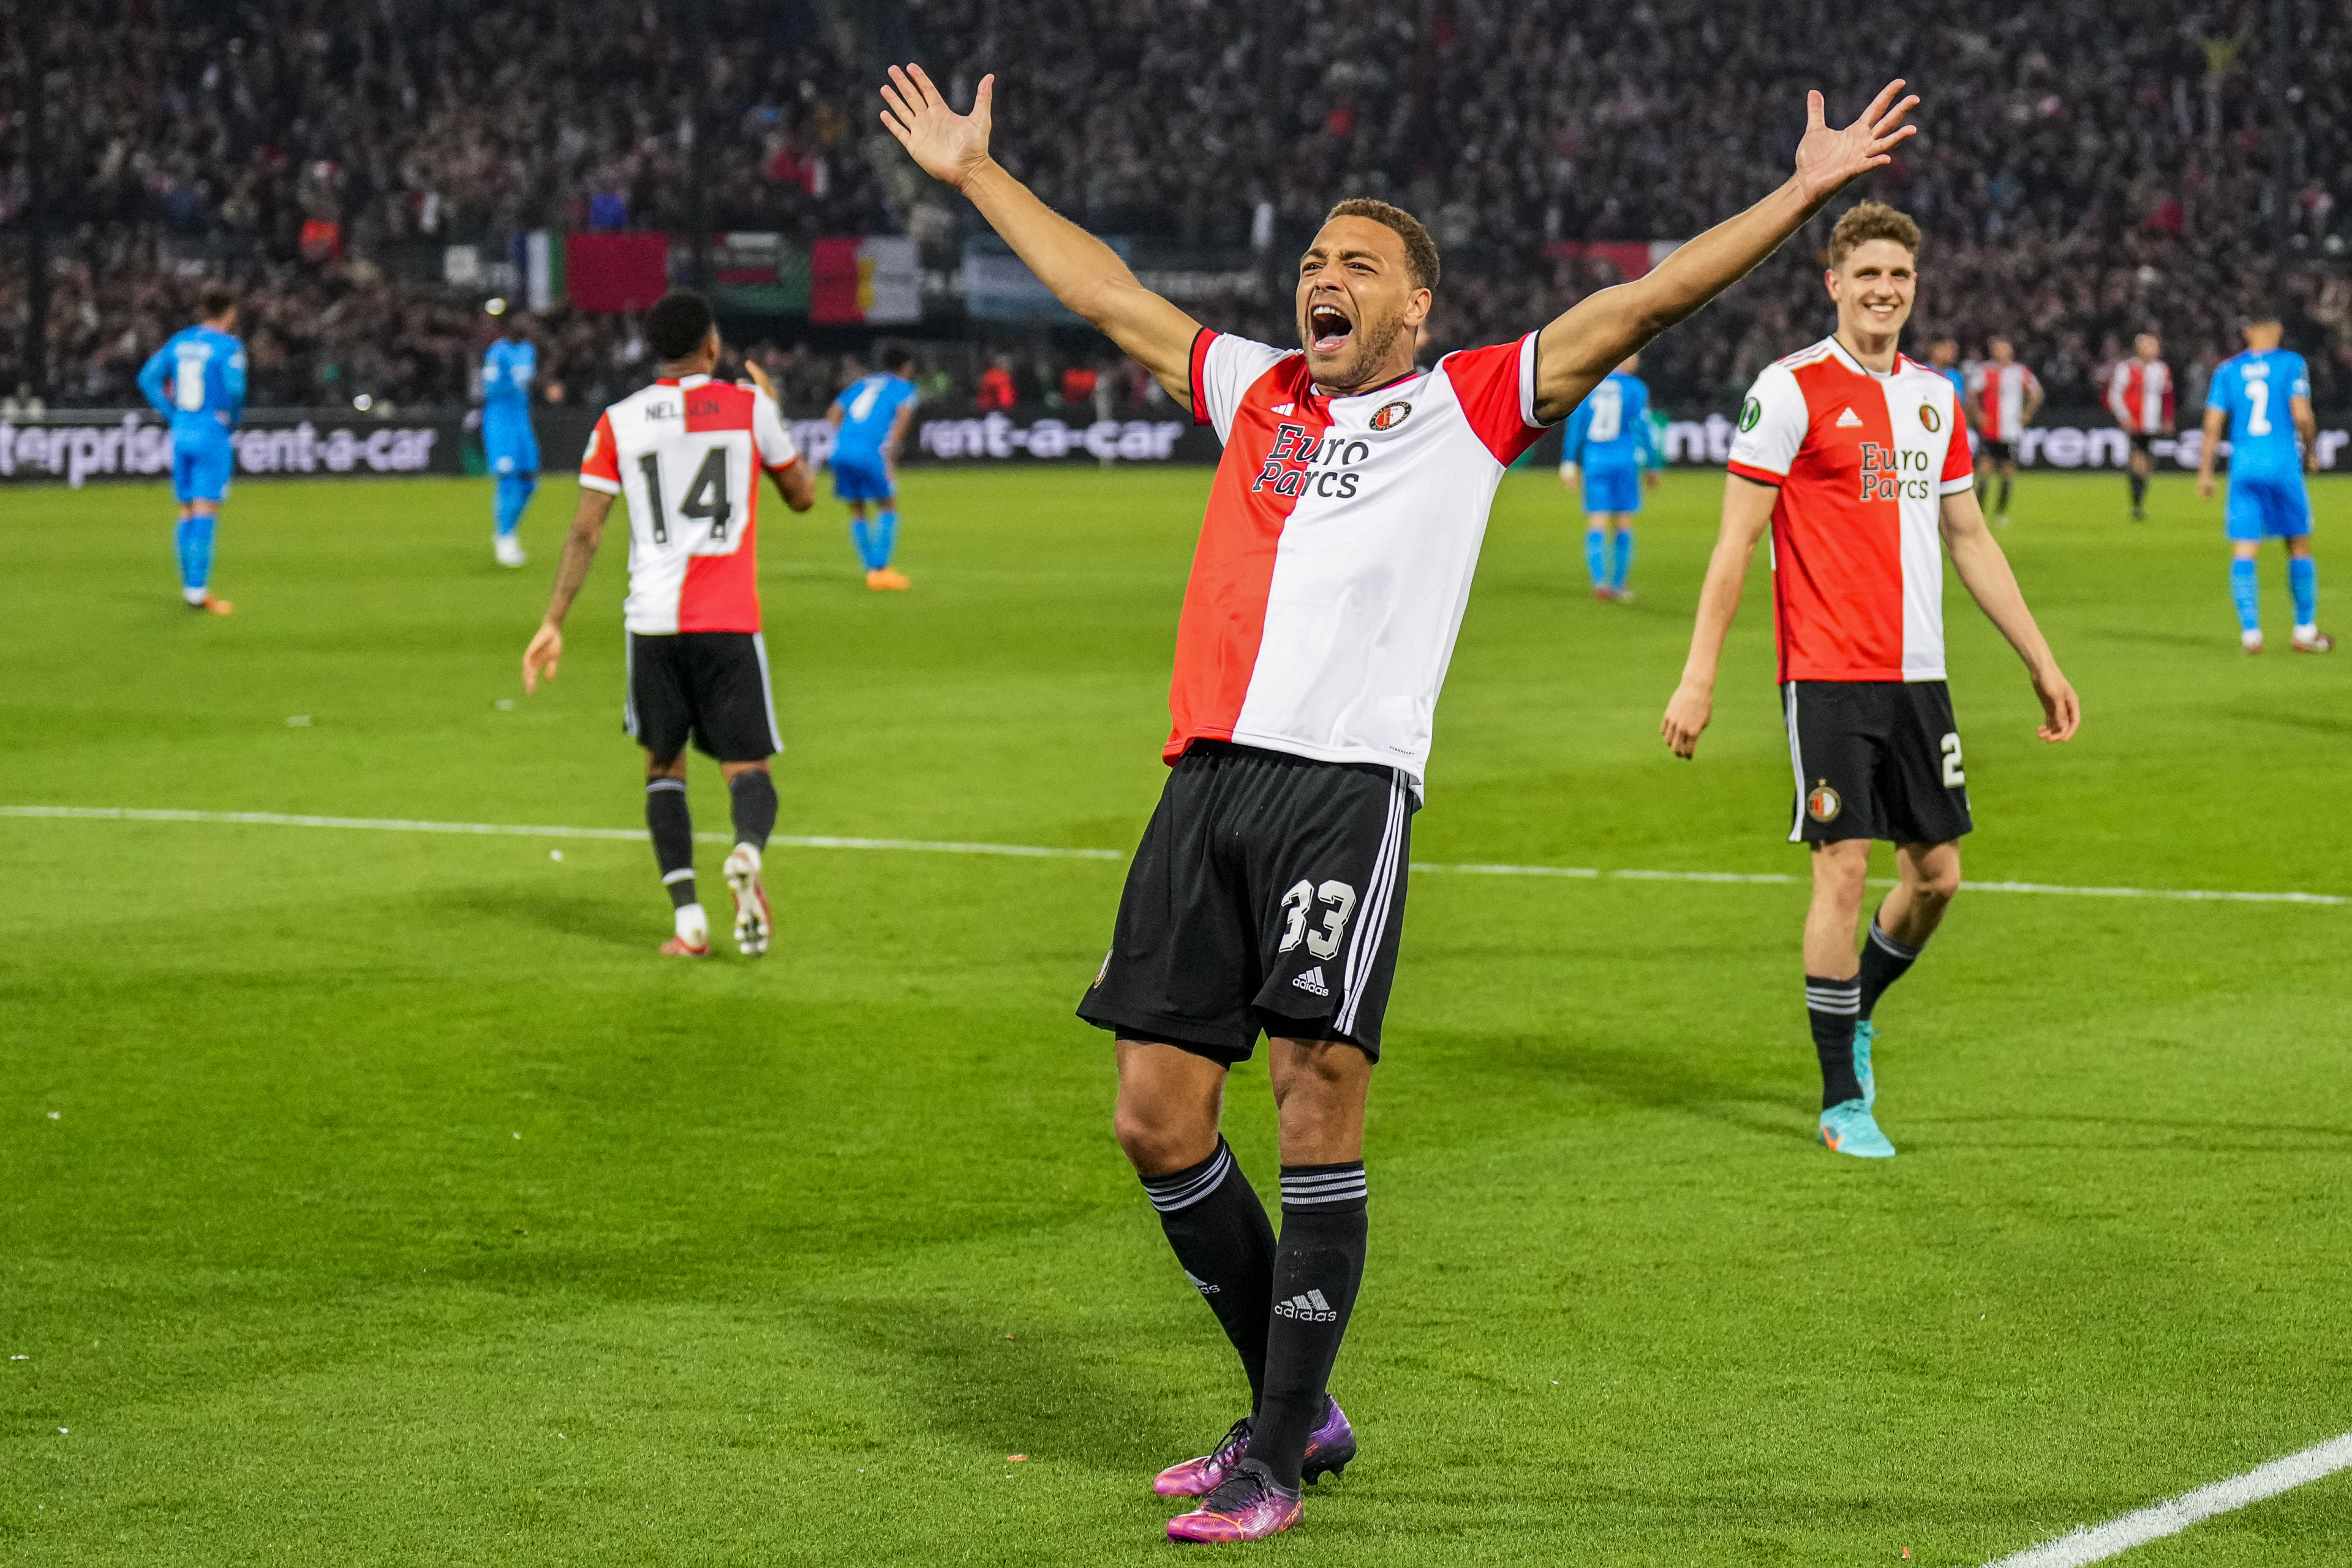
(867, 408)
(1611, 428)
(2254, 390)
(205, 372)
(507, 370)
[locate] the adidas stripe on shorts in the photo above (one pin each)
(1266, 897)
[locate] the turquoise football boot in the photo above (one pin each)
(1862, 1073)
(1847, 1127)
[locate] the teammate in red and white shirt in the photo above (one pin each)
(1855, 459)
(688, 452)
(1327, 589)
(2003, 397)
(2140, 395)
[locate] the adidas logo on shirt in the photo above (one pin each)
(1310, 1308)
(1312, 983)
(1848, 419)
(1285, 407)
(1202, 1286)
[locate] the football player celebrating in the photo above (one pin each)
(1327, 589)
(1853, 455)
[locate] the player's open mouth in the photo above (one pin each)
(1328, 330)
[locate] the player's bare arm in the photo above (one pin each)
(2216, 422)
(546, 649)
(1984, 571)
(1082, 271)
(1583, 345)
(900, 423)
(2307, 425)
(794, 482)
(1747, 513)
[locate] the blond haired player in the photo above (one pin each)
(688, 452)
(1268, 895)
(1855, 459)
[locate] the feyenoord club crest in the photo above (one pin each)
(1823, 804)
(1749, 413)
(1930, 418)
(1388, 415)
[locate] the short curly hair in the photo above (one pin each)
(1420, 251)
(1867, 221)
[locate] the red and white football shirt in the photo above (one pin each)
(2140, 395)
(1863, 463)
(1997, 394)
(686, 454)
(1335, 557)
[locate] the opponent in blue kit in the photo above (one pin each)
(2261, 398)
(1611, 444)
(507, 370)
(869, 421)
(196, 380)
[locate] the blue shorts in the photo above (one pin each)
(857, 477)
(1612, 490)
(509, 443)
(2268, 506)
(200, 466)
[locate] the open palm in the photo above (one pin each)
(1827, 159)
(949, 146)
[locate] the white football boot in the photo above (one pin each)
(509, 550)
(753, 924)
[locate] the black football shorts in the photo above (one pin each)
(1991, 451)
(1267, 896)
(1876, 758)
(709, 686)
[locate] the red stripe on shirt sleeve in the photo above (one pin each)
(603, 459)
(1200, 364)
(1761, 475)
(1488, 382)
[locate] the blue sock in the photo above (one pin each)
(861, 533)
(885, 537)
(1596, 555)
(1621, 557)
(2247, 590)
(196, 542)
(2303, 581)
(514, 494)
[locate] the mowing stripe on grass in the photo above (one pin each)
(1046, 852)
(2096, 1544)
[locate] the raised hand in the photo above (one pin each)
(949, 147)
(1827, 159)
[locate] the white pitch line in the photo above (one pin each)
(1046, 852)
(2096, 1544)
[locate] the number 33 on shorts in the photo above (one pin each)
(1337, 900)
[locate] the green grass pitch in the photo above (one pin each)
(381, 1198)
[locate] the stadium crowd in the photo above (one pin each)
(2079, 177)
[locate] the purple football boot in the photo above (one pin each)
(1329, 1451)
(1246, 1506)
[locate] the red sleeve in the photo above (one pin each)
(1957, 463)
(600, 466)
(1200, 356)
(2167, 394)
(1496, 387)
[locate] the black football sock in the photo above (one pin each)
(1885, 960)
(1226, 1244)
(1832, 1006)
(2002, 508)
(673, 829)
(1317, 1268)
(752, 796)
(2139, 490)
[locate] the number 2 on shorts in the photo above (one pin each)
(1953, 777)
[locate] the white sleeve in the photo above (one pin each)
(1772, 424)
(773, 442)
(1223, 368)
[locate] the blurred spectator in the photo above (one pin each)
(996, 388)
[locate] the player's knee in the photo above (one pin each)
(1938, 885)
(1154, 1141)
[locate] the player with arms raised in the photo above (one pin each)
(1855, 459)
(1328, 587)
(688, 452)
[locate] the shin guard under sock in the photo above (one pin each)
(2002, 510)
(2138, 491)
(1225, 1243)
(2246, 592)
(1885, 960)
(885, 538)
(672, 826)
(752, 795)
(861, 533)
(1596, 555)
(1831, 1007)
(1621, 557)
(2303, 581)
(1318, 1267)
